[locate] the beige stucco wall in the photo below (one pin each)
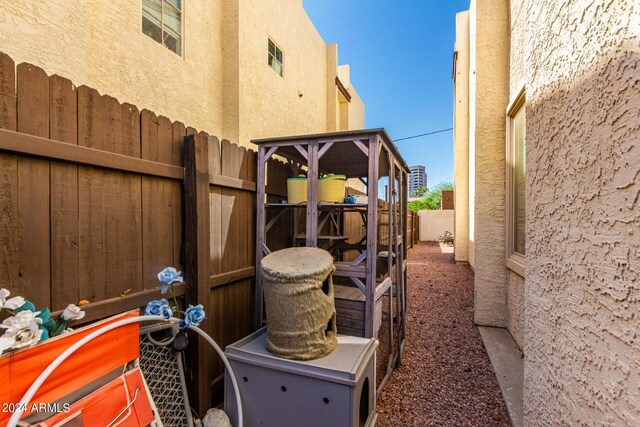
(271, 105)
(516, 307)
(461, 139)
(221, 84)
(472, 135)
(434, 223)
(355, 109)
(517, 80)
(576, 316)
(100, 44)
(333, 108)
(582, 297)
(491, 96)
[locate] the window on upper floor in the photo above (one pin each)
(276, 59)
(162, 21)
(516, 183)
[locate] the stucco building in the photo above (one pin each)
(235, 69)
(547, 161)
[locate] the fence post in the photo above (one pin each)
(196, 257)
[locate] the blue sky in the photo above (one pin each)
(401, 55)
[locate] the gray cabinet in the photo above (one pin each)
(335, 390)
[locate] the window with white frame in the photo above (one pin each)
(516, 183)
(276, 60)
(162, 21)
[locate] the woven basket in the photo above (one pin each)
(296, 190)
(331, 188)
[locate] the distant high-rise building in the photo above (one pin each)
(418, 178)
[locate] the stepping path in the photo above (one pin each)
(446, 378)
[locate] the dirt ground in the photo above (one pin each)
(446, 378)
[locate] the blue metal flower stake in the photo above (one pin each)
(193, 316)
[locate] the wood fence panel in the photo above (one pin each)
(112, 206)
(90, 189)
(131, 199)
(161, 206)
(65, 233)
(153, 246)
(233, 242)
(170, 195)
(10, 243)
(33, 188)
(215, 208)
(176, 191)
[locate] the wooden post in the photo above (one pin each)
(260, 233)
(398, 213)
(372, 235)
(312, 195)
(196, 266)
(391, 246)
(403, 203)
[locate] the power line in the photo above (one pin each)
(423, 134)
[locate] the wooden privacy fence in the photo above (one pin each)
(96, 197)
(413, 228)
(92, 206)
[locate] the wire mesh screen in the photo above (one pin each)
(163, 375)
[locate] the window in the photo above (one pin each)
(162, 21)
(275, 58)
(516, 183)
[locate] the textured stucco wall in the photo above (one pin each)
(100, 44)
(491, 97)
(356, 106)
(356, 110)
(516, 307)
(517, 80)
(472, 134)
(271, 105)
(582, 327)
(221, 84)
(461, 139)
(333, 110)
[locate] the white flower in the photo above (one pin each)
(3, 296)
(72, 312)
(11, 303)
(23, 328)
(6, 342)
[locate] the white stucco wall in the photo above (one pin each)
(434, 223)
(582, 296)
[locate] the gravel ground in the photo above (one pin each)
(446, 378)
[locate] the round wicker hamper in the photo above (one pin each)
(298, 295)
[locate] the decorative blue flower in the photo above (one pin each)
(159, 308)
(168, 276)
(192, 317)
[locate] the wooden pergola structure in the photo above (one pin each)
(379, 269)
